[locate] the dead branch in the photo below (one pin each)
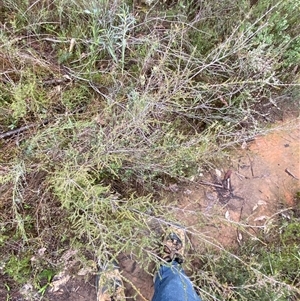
(21, 130)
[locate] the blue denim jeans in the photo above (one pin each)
(172, 284)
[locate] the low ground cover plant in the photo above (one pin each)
(105, 103)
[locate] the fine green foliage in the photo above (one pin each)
(116, 100)
(18, 268)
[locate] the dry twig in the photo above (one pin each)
(290, 174)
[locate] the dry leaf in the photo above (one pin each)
(260, 218)
(261, 203)
(41, 251)
(72, 44)
(244, 145)
(57, 284)
(218, 173)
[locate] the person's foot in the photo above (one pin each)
(174, 245)
(110, 285)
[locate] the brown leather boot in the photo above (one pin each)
(174, 245)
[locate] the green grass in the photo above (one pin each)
(146, 96)
(268, 264)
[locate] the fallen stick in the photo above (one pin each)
(16, 131)
(210, 184)
(20, 130)
(290, 174)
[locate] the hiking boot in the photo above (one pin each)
(109, 285)
(173, 245)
